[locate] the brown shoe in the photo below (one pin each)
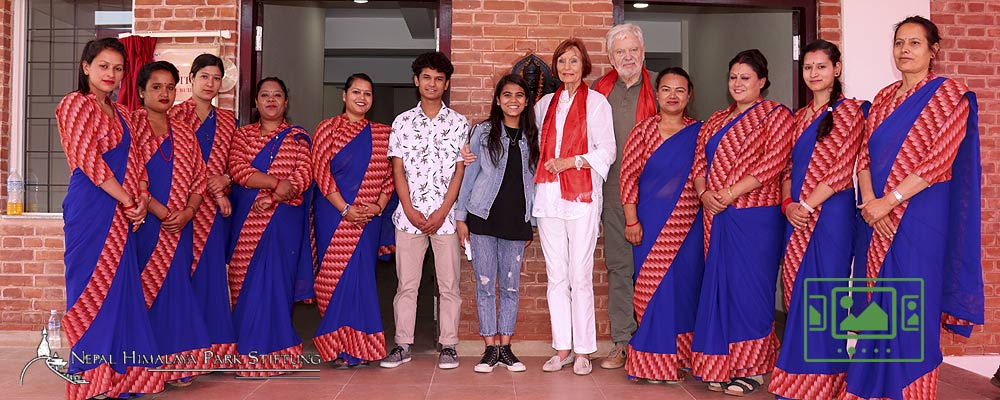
(616, 357)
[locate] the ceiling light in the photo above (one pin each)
(361, 1)
(636, 5)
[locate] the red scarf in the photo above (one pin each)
(576, 185)
(647, 101)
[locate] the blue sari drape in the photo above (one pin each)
(280, 269)
(175, 314)
(672, 308)
(736, 302)
(937, 241)
(828, 255)
(122, 322)
(354, 303)
(211, 285)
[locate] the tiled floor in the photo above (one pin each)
(421, 379)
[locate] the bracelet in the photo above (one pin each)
(898, 196)
(807, 206)
(730, 191)
(701, 193)
(632, 224)
(134, 205)
(344, 211)
(785, 203)
(229, 179)
(380, 209)
(276, 183)
(146, 192)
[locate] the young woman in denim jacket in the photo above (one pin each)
(493, 213)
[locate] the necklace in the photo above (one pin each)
(207, 138)
(170, 137)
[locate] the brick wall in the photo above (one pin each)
(6, 28)
(488, 37)
(193, 15)
(828, 19)
(971, 54)
(31, 271)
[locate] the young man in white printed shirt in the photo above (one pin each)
(424, 147)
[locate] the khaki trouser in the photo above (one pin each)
(410, 250)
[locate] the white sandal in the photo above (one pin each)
(554, 364)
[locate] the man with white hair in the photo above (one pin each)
(629, 89)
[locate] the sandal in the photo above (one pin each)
(995, 381)
(716, 386)
(742, 386)
(341, 363)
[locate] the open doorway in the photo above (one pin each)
(702, 36)
(314, 46)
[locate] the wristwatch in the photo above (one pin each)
(578, 161)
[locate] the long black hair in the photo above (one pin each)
(90, 51)
(681, 73)
(526, 123)
(833, 52)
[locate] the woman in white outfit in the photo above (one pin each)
(577, 143)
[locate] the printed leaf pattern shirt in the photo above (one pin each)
(429, 148)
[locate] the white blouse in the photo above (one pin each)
(601, 154)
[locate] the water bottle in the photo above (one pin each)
(15, 194)
(55, 330)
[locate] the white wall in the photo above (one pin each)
(293, 51)
(716, 38)
(372, 33)
(661, 36)
(867, 42)
(382, 70)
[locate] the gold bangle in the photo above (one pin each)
(730, 191)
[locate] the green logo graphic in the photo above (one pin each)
(883, 317)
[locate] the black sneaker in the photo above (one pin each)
(396, 357)
(489, 360)
(509, 360)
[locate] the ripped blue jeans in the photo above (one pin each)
(496, 261)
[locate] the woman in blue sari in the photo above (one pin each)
(919, 175)
(271, 265)
(105, 310)
(352, 172)
(215, 130)
(818, 192)
(741, 152)
(664, 223)
(164, 243)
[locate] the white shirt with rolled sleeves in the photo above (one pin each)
(601, 154)
(429, 149)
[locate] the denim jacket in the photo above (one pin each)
(482, 178)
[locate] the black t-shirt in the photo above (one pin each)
(506, 219)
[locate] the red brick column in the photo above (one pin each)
(488, 37)
(970, 53)
(829, 20)
(7, 29)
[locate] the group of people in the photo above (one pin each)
(187, 236)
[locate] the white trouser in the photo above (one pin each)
(568, 246)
